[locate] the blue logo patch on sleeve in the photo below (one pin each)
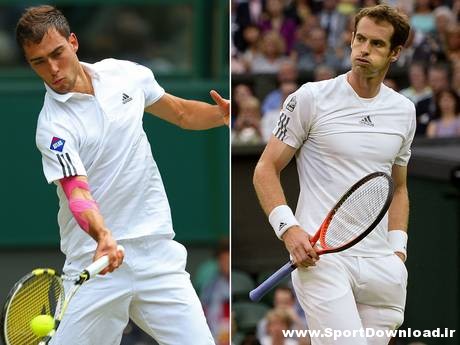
(57, 144)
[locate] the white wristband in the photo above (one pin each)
(281, 219)
(398, 241)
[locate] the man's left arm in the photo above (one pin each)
(398, 214)
(189, 114)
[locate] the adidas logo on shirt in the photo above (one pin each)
(366, 120)
(126, 98)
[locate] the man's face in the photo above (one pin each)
(438, 80)
(318, 42)
(370, 48)
(54, 59)
(283, 299)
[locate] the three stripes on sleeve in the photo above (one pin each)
(68, 168)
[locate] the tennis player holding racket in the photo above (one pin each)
(94, 149)
(340, 130)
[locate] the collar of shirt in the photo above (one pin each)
(64, 97)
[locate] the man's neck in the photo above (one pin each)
(365, 86)
(83, 84)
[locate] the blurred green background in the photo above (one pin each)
(185, 43)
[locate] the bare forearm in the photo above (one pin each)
(398, 214)
(96, 226)
(189, 114)
(266, 179)
(87, 215)
(200, 115)
(85, 209)
(268, 187)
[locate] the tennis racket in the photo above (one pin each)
(41, 292)
(354, 216)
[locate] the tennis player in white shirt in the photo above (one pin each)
(340, 130)
(95, 150)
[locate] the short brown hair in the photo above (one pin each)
(279, 314)
(397, 19)
(36, 21)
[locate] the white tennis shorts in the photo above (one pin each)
(346, 293)
(151, 287)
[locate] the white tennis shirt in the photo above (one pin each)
(340, 138)
(101, 137)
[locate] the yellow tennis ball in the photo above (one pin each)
(41, 325)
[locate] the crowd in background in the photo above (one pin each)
(277, 45)
(140, 33)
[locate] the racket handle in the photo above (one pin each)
(97, 266)
(256, 294)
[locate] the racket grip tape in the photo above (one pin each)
(256, 294)
(97, 266)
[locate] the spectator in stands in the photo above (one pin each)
(369, 3)
(215, 298)
(246, 129)
(284, 299)
(237, 64)
(418, 88)
(239, 94)
(391, 83)
(271, 55)
(252, 38)
(305, 27)
(438, 80)
(270, 117)
(456, 9)
(275, 20)
(299, 10)
(420, 48)
(447, 123)
(278, 319)
(312, 50)
(456, 77)
(287, 73)
(332, 22)
(343, 48)
(324, 72)
(453, 43)
(244, 13)
(444, 18)
(404, 5)
(422, 19)
(347, 7)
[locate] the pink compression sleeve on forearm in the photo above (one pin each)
(70, 183)
(78, 206)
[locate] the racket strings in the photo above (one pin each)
(38, 295)
(357, 212)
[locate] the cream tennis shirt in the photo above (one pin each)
(340, 138)
(101, 137)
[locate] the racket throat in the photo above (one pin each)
(84, 276)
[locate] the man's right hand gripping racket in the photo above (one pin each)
(354, 216)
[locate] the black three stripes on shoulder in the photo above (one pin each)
(68, 169)
(282, 126)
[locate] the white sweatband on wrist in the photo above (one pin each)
(281, 219)
(398, 241)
